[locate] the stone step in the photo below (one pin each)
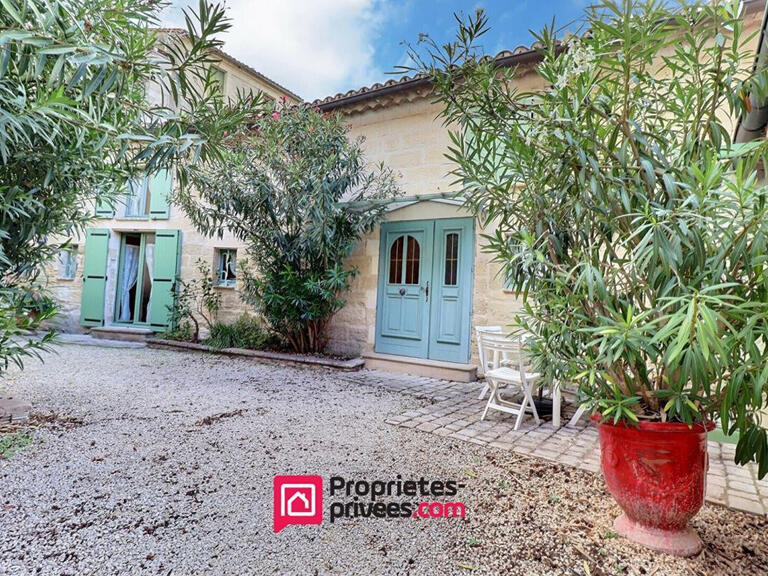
(421, 367)
(128, 333)
(13, 410)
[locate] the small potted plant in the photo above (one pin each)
(634, 229)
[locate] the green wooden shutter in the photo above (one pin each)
(105, 209)
(164, 276)
(94, 277)
(160, 191)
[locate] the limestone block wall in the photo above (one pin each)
(68, 292)
(354, 327)
(411, 139)
(194, 247)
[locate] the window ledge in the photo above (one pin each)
(226, 286)
(60, 279)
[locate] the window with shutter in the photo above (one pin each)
(94, 277)
(105, 208)
(164, 277)
(160, 186)
(67, 263)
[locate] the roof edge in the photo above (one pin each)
(240, 64)
(246, 68)
(503, 60)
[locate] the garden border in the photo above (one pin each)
(343, 365)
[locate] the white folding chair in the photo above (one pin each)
(487, 362)
(511, 377)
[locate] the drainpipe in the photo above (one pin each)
(753, 124)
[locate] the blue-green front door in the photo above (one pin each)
(405, 268)
(425, 289)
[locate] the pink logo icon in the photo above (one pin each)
(298, 500)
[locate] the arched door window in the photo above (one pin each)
(396, 262)
(404, 260)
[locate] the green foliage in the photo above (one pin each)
(297, 192)
(245, 332)
(22, 310)
(195, 298)
(77, 119)
(632, 226)
(182, 330)
(10, 444)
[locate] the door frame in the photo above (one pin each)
(139, 279)
(430, 348)
(416, 348)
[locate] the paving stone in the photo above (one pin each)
(502, 445)
(739, 486)
(477, 441)
(455, 413)
(428, 426)
(751, 506)
(12, 410)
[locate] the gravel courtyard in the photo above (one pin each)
(148, 477)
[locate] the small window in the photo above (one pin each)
(219, 77)
(227, 267)
(68, 262)
(137, 197)
(396, 262)
(412, 261)
(451, 259)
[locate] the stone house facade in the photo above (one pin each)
(425, 282)
(119, 277)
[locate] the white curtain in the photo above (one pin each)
(232, 265)
(135, 197)
(149, 258)
(128, 280)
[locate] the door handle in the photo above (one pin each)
(402, 291)
(426, 292)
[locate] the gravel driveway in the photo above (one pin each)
(156, 481)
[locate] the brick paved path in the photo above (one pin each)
(454, 411)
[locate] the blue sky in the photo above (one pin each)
(510, 21)
(320, 47)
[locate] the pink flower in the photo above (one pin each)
(276, 115)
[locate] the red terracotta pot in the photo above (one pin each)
(657, 473)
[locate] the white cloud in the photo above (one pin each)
(313, 47)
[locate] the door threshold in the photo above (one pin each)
(454, 371)
(131, 333)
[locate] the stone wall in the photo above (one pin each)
(194, 245)
(405, 133)
(410, 138)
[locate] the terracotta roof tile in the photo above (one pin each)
(504, 58)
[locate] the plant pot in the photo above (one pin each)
(657, 472)
(543, 406)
